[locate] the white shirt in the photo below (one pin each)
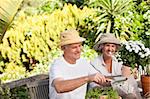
(61, 68)
(99, 64)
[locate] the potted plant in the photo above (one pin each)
(135, 54)
(102, 93)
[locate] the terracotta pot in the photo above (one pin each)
(145, 82)
(106, 97)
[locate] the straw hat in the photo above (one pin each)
(70, 37)
(106, 38)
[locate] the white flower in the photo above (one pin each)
(142, 56)
(147, 54)
(140, 53)
(130, 50)
(133, 49)
(138, 47)
(136, 50)
(146, 49)
(128, 47)
(142, 46)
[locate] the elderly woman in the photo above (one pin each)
(106, 63)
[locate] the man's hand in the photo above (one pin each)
(97, 78)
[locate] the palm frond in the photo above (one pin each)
(8, 9)
(114, 7)
(121, 6)
(105, 4)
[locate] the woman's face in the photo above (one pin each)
(109, 49)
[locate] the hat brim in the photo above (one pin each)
(113, 41)
(104, 41)
(67, 42)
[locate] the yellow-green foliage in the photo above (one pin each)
(37, 35)
(13, 72)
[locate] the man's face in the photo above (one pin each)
(73, 51)
(109, 49)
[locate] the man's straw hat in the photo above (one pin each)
(70, 37)
(106, 38)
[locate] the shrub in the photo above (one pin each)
(32, 38)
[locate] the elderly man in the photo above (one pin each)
(69, 74)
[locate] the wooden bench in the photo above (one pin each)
(37, 85)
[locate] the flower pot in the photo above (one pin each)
(145, 82)
(106, 97)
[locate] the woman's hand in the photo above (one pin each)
(128, 71)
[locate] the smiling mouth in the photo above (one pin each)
(78, 53)
(110, 53)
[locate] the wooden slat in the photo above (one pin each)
(39, 89)
(24, 81)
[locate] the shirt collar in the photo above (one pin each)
(102, 60)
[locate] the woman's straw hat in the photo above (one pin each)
(106, 38)
(70, 37)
